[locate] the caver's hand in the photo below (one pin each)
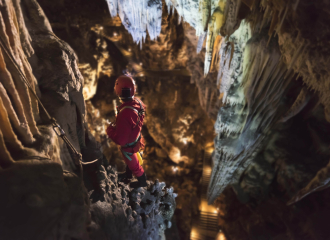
(110, 129)
(111, 124)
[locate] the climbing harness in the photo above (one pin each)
(128, 156)
(77, 157)
(140, 113)
(132, 144)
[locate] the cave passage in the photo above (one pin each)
(236, 126)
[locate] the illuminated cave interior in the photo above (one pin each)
(237, 123)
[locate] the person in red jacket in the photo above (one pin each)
(126, 131)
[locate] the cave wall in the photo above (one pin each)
(37, 194)
(44, 194)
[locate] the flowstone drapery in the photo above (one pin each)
(292, 57)
(253, 106)
(37, 193)
(19, 111)
(207, 17)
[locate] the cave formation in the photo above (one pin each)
(237, 124)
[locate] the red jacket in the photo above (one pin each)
(127, 127)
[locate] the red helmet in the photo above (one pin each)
(125, 87)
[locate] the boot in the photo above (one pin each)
(125, 176)
(142, 182)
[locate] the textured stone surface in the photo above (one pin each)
(42, 200)
(175, 125)
(60, 82)
(118, 212)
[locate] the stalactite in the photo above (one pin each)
(298, 105)
(231, 23)
(312, 68)
(201, 41)
(231, 67)
(196, 13)
(207, 16)
(255, 83)
(213, 31)
(283, 18)
(215, 53)
(138, 16)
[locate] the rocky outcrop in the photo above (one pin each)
(118, 212)
(40, 201)
(61, 93)
(36, 189)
